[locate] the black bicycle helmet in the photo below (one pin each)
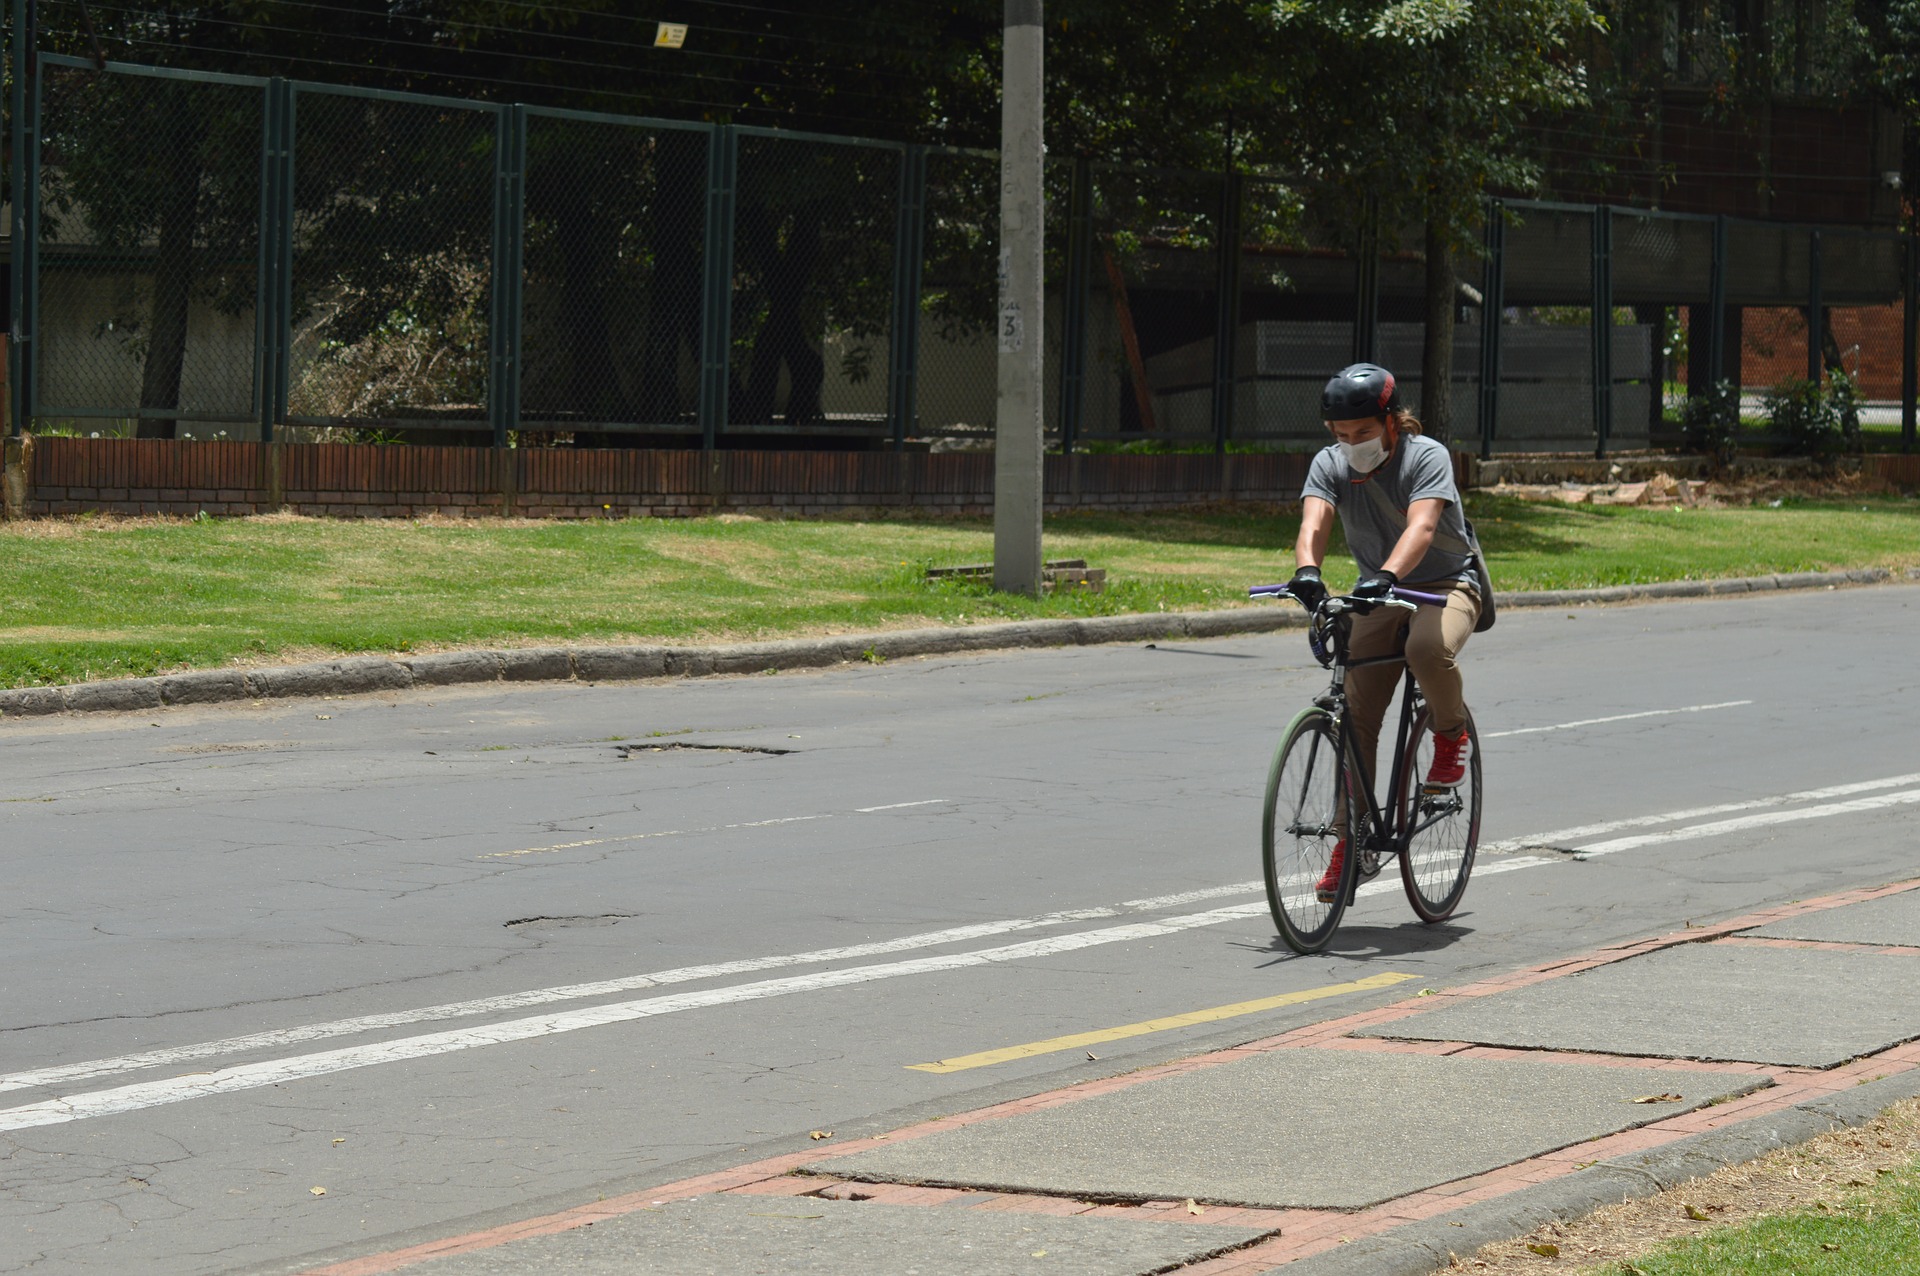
(1360, 392)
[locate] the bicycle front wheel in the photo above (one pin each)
(1306, 790)
(1439, 826)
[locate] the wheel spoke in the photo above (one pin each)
(1305, 796)
(1442, 828)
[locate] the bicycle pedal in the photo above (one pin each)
(1437, 790)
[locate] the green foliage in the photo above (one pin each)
(1815, 419)
(1426, 102)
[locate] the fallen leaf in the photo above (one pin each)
(323, 716)
(338, 1142)
(1658, 1098)
(1695, 1213)
(819, 1134)
(1039, 1253)
(318, 1191)
(1828, 1246)
(1092, 1055)
(1545, 1250)
(1193, 1208)
(1426, 992)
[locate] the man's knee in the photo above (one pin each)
(1428, 652)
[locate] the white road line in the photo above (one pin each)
(168, 1056)
(270, 1072)
(1618, 717)
(1751, 822)
(898, 806)
(251, 1076)
(1556, 836)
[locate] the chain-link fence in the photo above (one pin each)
(614, 254)
(221, 255)
(148, 250)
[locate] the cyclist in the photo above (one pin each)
(1398, 505)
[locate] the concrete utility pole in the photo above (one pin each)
(1018, 428)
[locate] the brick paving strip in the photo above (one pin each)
(1408, 1234)
(359, 675)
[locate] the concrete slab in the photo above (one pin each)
(1803, 1007)
(1893, 920)
(738, 1235)
(1335, 1129)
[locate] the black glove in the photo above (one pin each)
(1307, 586)
(1376, 588)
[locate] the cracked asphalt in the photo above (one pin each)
(200, 875)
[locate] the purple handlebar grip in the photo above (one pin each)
(1266, 591)
(1416, 596)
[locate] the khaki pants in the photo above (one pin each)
(1434, 638)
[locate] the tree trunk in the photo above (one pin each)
(1436, 358)
(172, 285)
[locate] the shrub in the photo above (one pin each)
(1712, 422)
(1814, 419)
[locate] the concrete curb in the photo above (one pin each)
(362, 674)
(1425, 1247)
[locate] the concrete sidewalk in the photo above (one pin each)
(1381, 1142)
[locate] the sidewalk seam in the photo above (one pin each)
(364, 674)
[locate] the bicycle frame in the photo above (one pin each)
(1389, 829)
(1384, 836)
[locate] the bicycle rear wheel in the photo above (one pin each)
(1440, 826)
(1305, 790)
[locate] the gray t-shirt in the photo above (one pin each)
(1420, 469)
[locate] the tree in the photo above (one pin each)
(1425, 104)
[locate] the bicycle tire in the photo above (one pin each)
(1305, 787)
(1439, 831)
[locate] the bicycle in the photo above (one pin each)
(1432, 830)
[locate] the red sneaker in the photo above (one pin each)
(1329, 888)
(1449, 759)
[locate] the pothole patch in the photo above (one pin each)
(682, 746)
(560, 923)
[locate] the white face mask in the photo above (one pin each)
(1366, 457)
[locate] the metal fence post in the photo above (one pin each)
(1717, 309)
(1226, 328)
(274, 304)
(1492, 313)
(1366, 285)
(1910, 333)
(716, 332)
(509, 242)
(909, 257)
(25, 281)
(1816, 310)
(1602, 313)
(1073, 316)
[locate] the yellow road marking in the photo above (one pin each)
(1080, 1040)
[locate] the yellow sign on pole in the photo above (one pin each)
(670, 35)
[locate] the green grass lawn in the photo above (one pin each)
(1871, 1233)
(92, 598)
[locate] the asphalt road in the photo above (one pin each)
(301, 980)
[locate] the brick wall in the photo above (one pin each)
(183, 477)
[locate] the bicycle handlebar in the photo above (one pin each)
(1400, 593)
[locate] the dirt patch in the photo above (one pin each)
(1818, 1174)
(1735, 491)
